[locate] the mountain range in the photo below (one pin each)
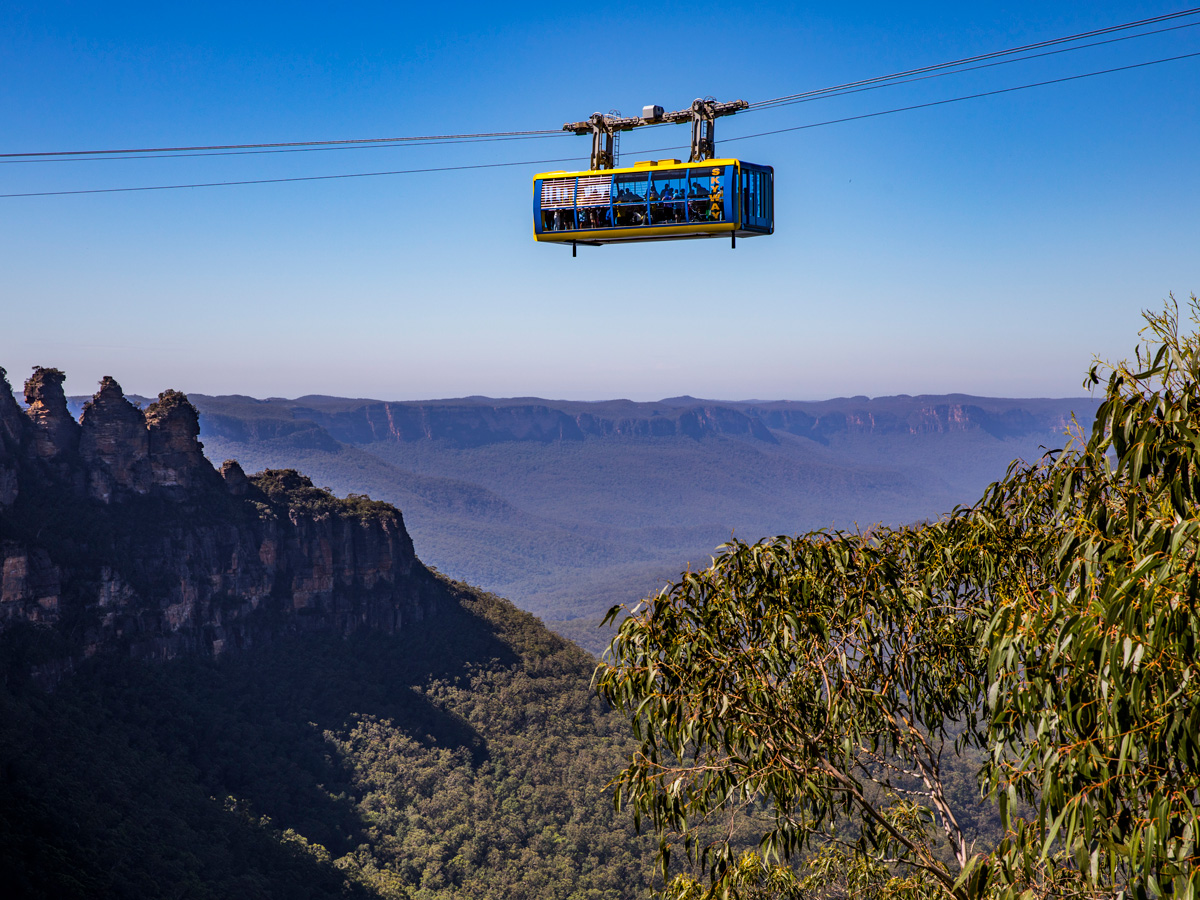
(569, 507)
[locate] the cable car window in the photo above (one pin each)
(760, 195)
(595, 217)
(558, 204)
(558, 220)
(558, 193)
(756, 198)
(697, 193)
(629, 197)
(592, 201)
(668, 204)
(750, 197)
(706, 195)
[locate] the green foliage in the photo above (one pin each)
(168, 401)
(1053, 625)
(464, 759)
(815, 675)
(288, 489)
(1093, 660)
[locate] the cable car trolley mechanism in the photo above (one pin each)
(655, 200)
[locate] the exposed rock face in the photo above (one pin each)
(235, 478)
(12, 432)
(476, 424)
(722, 420)
(8, 478)
(908, 415)
(323, 422)
(55, 433)
(29, 584)
(176, 456)
(119, 534)
(114, 444)
(11, 419)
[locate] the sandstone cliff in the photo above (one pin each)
(320, 423)
(116, 533)
(474, 424)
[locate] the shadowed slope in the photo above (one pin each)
(465, 757)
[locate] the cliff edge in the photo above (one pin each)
(117, 534)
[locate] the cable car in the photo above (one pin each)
(655, 201)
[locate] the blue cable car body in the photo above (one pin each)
(655, 201)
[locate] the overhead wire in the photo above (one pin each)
(1037, 45)
(444, 138)
(953, 67)
(380, 146)
(931, 103)
(389, 143)
(827, 93)
(465, 138)
(174, 187)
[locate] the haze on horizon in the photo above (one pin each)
(990, 247)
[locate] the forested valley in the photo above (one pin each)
(464, 758)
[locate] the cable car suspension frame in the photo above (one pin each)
(703, 114)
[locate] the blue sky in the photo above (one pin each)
(992, 246)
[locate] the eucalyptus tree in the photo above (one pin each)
(815, 681)
(818, 685)
(1094, 676)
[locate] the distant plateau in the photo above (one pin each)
(568, 508)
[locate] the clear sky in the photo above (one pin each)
(992, 246)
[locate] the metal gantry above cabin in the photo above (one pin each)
(702, 114)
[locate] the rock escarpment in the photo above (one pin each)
(116, 533)
(915, 415)
(323, 423)
(55, 435)
(475, 424)
(115, 439)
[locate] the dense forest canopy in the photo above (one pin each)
(462, 759)
(825, 683)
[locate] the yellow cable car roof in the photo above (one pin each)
(643, 166)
